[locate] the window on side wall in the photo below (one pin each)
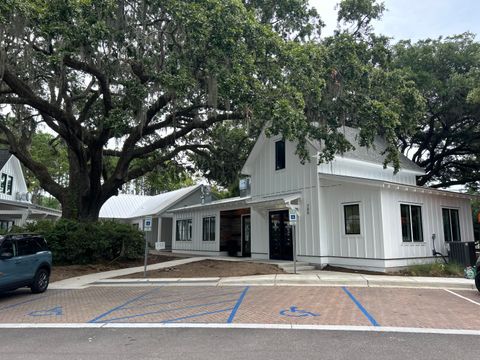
(351, 214)
(451, 224)
(280, 155)
(3, 183)
(209, 228)
(9, 185)
(184, 230)
(411, 219)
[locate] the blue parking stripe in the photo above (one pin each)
(168, 310)
(34, 299)
(197, 315)
(360, 306)
(121, 306)
(237, 305)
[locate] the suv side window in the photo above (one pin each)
(7, 247)
(27, 247)
(41, 244)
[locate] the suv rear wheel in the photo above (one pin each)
(40, 282)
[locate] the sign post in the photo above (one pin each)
(147, 227)
(293, 217)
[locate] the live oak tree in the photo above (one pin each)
(129, 85)
(446, 139)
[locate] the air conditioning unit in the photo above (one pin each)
(462, 253)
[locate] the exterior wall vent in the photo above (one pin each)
(244, 186)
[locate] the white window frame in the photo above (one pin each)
(188, 231)
(209, 218)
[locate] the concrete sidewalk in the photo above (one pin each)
(313, 278)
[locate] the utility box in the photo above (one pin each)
(462, 253)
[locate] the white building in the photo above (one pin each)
(134, 209)
(16, 207)
(352, 212)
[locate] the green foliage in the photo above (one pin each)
(435, 269)
(446, 137)
(74, 242)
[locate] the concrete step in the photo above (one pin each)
(300, 268)
(289, 265)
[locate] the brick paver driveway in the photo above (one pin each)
(393, 307)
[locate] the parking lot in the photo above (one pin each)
(351, 306)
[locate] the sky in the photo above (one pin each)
(415, 19)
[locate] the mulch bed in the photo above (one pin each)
(210, 268)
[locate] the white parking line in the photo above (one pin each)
(462, 297)
(243, 326)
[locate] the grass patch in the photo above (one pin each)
(435, 269)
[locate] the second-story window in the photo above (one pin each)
(280, 155)
(3, 183)
(9, 185)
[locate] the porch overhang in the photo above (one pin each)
(277, 201)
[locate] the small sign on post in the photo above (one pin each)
(147, 227)
(293, 217)
(147, 223)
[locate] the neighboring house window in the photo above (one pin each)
(209, 228)
(411, 218)
(280, 155)
(352, 219)
(3, 183)
(184, 230)
(6, 224)
(9, 185)
(451, 224)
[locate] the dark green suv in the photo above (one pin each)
(25, 260)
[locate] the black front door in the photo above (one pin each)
(281, 240)
(246, 239)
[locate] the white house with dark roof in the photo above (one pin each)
(352, 212)
(16, 207)
(134, 209)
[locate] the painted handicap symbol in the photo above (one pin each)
(293, 311)
(56, 311)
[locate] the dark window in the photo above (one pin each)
(280, 155)
(41, 244)
(184, 230)
(6, 224)
(9, 185)
(352, 219)
(7, 247)
(209, 228)
(3, 183)
(27, 247)
(411, 219)
(451, 224)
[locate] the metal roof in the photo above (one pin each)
(374, 153)
(234, 201)
(127, 206)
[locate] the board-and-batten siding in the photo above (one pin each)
(333, 196)
(197, 243)
(355, 168)
(294, 178)
(432, 222)
(12, 168)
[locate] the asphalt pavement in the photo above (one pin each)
(198, 344)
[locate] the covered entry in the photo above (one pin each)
(281, 237)
(235, 234)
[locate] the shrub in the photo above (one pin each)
(435, 269)
(73, 242)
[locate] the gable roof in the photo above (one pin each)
(127, 206)
(4, 157)
(373, 154)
